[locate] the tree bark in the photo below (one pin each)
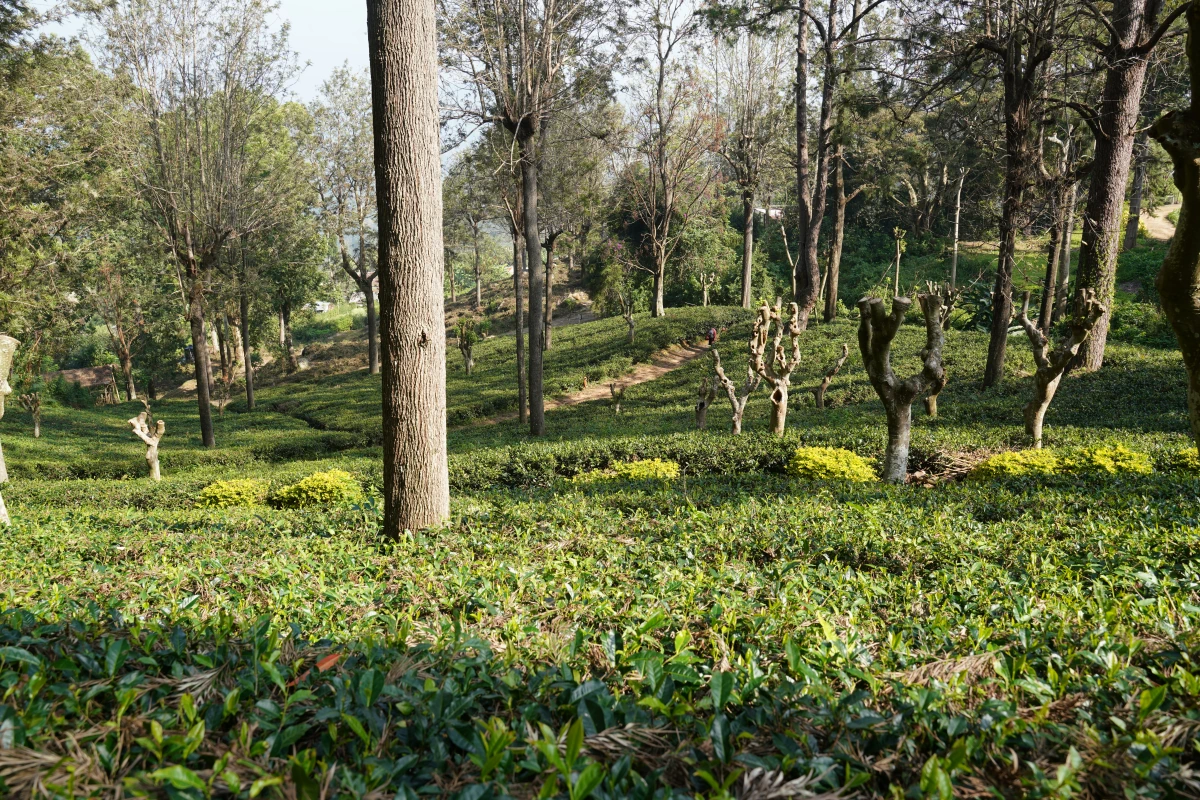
(200, 353)
(808, 283)
(802, 271)
(839, 237)
(1053, 255)
(478, 271)
(747, 249)
(372, 328)
(822, 387)
(549, 324)
(1116, 120)
(404, 81)
(737, 399)
(8, 350)
(127, 372)
(1064, 259)
(771, 362)
(537, 279)
(248, 350)
(1135, 194)
(285, 333)
(1179, 280)
(962, 176)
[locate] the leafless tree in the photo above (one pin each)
(770, 361)
(831, 373)
(706, 394)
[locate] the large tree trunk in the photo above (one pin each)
(839, 237)
(127, 371)
(1116, 120)
(404, 81)
(372, 327)
(808, 284)
(804, 274)
(1135, 195)
(247, 347)
(747, 249)
(200, 351)
(1179, 280)
(519, 318)
(658, 309)
(537, 289)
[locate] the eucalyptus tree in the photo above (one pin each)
(343, 156)
(518, 65)
(200, 74)
(402, 39)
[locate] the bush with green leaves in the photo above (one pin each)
(650, 469)
(321, 489)
(1018, 464)
(830, 463)
(1108, 460)
(1184, 459)
(236, 492)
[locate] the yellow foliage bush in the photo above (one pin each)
(1018, 464)
(830, 463)
(1109, 460)
(228, 494)
(650, 469)
(319, 489)
(1185, 459)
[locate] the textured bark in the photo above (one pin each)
(833, 272)
(519, 318)
(1064, 258)
(1135, 195)
(141, 425)
(127, 372)
(737, 397)
(203, 370)
(747, 250)
(1116, 119)
(706, 394)
(285, 337)
(537, 280)
(618, 394)
(549, 323)
(962, 176)
(247, 348)
(1051, 364)
(822, 387)
(1179, 280)
(876, 330)
(8, 348)
(802, 271)
(33, 404)
(773, 364)
(478, 272)
(1053, 254)
(404, 82)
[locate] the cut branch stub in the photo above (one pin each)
(1051, 364)
(141, 426)
(705, 394)
(820, 389)
(876, 331)
(770, 361)
(737, 397)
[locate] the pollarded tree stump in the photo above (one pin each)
(141, 426)
(737, 397)
(771, 362)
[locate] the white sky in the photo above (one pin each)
(325, 33)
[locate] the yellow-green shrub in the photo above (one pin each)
(1183, 460)
(830, 463)
(319, 489)
(1108, 460)
(238, 492)
(650, 469)
(1017, 464)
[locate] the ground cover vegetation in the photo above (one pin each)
(310, 491)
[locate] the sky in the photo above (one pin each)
(325, 34)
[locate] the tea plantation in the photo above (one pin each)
(723, 625)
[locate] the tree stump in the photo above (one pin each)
(876, 330)
(8, 348)
(737, 397)
(1051, 364)
(773, 365)
(141, 426)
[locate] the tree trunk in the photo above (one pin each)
(1135, 194)
(1064, 259)
(895, 459)
(200, 351)
(660, 280)
(808, 284)
(537, 288)
(1053, 254)
(549, 292)
(453, 287)
(1117, 119)
(630, 322)
(372, 326)
(478, 273)
(779, 408)
(804, 275)
(839, 237)
(747, 250)
(285, 334)
(962, 176)
(222, 347)
(518, 278)
(404, 79)
(248, 350)
(1179, 280)
(127, 372)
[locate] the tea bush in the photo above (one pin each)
(1108, 460)
(321, 489)
(830, 463)
(1018, 464)
(650, 469)
(237, 492)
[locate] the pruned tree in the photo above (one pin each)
(949, 295)
(822, 387)
(876, 331)
(1179, 280)
(738, 397)
(467, 336)
(618, 394)
(150, 431)
(32, 403)
(706, 393)
(707, 281)
(8, 349)
(772, 363)
(402, 43)
(1052, 363)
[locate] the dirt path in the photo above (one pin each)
(1157, 224)
(663, 362)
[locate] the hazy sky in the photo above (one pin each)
(325, 33)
